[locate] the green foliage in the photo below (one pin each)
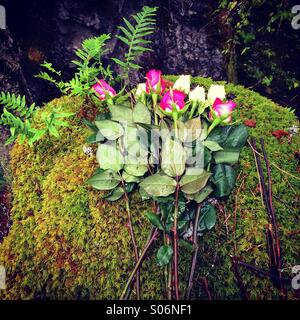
(15, 115)
(208, 218)
(89, 65)
(133, 36)
(164, 255)
(16, 104)
(20, 119)
(67, 243)
(264, 42)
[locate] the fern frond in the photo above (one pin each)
(133, 36)
(17, 104)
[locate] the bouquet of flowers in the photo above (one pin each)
(176, 146)
(172, 144)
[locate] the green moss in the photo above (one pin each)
(67, 243)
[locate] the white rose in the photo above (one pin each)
(141, 90)
(183, 83)
(216, 91)
(197, 94)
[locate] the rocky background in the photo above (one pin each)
(41, 30)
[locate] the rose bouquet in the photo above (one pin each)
(176, 146)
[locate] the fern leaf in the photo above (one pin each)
(133, 36)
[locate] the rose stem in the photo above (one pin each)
(175, 118)
(133, 239)
(175, 243)
(139, 263)
(238, 277)
(154, 101)
(169, 278)
(195, 254)
(166, 266)
(194, 106)
(274, 221)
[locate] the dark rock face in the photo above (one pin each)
(185, 40)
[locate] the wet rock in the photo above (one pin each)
(184, 41)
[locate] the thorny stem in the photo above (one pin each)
(166, 266)
(139, 263)
(238, 277)
(195, 254)
(135, 248)
(169, 278)
(175, 243)
(274, 250)
(274, 220)
(206, 288)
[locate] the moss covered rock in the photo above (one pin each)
(67, 243)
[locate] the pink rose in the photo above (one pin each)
(103, 89)
(155, 82)
(220, 109)
(173, 99)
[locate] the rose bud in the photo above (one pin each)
(104, 90)
(173, 102)
(183, 83)
(141, 89)
(140, 92)
(155, 82)
(216, 91)
(197, 95)
(222, 111)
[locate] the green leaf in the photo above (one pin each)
(109, 157)
(110, 129)
(190, 130)
(115, 194)
(130, 178)
(208, 218)
(158, 185)
(137, 170)
(173, 157)
(53, 131)
(191, 184)
(154, 219)
(129, 26)
(95, 138)
(237, 138)
(105, 180)
(130, 137)
(220, 134)
(129, 187)
(148, 127)
(227, 157)
(119, 62)
(121, 113)
(164, 255)
(224, 178)
(200, 196)
(141, 114)
(186, 245)
(212, 145)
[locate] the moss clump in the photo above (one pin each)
(67, 243)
